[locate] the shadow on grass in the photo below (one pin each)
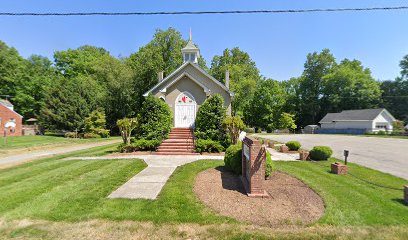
(401, 201)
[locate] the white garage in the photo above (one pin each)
(357, 121)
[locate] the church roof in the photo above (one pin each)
(163, 82)
(190, 46)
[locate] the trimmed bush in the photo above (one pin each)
(146, 145)
(210, 119)
(155, 119)
(268, 165)
(139, 145)
(69, 135)
(233, 159)
(91, 135)
(208, 145)
(321, 153)
(293, 145)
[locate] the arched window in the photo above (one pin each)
(162, 98)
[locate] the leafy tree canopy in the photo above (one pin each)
(244, 75)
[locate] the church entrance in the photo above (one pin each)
(185, 110)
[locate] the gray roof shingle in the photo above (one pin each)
(6, 103)
(353, 115)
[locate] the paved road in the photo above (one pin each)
(388, 155)
(20, 158)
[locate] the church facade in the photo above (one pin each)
(188, 87)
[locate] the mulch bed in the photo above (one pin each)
(291, 201)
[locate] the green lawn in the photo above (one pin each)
(53, 189)
(37, 141)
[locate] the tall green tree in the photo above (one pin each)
(395, 93)
(244, 76)
(80, 61)
(69, 101)
(349, 86)
(316, 67)
(12, 68)
(31, 91)
(266, 106)
(162, 53)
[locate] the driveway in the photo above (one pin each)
(388, 155)
(25, 157)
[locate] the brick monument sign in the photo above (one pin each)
(253, 167)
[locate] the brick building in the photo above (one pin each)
(9, 116)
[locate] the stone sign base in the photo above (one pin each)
(406, 194)
(338, 168)
(284, 149)
(260, 194)
(303, 155)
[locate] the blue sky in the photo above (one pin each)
(278, 43)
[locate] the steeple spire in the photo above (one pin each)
(190, 51)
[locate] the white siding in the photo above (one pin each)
(383, 119)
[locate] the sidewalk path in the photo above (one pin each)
(20, 158)
(279, 156)
(148, 183)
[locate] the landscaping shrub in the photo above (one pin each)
(268, 165)
(139, 145)
(126, 126)
(381, 132)
(209, 120)
(208, 145)
(95, 123)
(91, 135)
(293, 145)
(155, 119)
(321, 153)
(233, 158)
(146, 145)
(233, 125)
(70, 135)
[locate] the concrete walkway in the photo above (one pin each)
(20, 158)
(279, 156)
(149, 182)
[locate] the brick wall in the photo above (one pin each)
(5, 115)
(257, 156)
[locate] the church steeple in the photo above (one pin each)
(190, 51)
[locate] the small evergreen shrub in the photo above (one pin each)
(208, 145)
(293, 145)
(381, 132)
(233, 159)
(139, 145)
(146, 145)
(321, 153)
(268, 165)
(155, 119)
(210, 119)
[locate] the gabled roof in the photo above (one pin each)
(163, 82)
(6, 103)
(9, 106)
(190, 46)
(355, 115)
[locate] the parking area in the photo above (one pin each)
(388, 155)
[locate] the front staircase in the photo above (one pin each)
(180, 142)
